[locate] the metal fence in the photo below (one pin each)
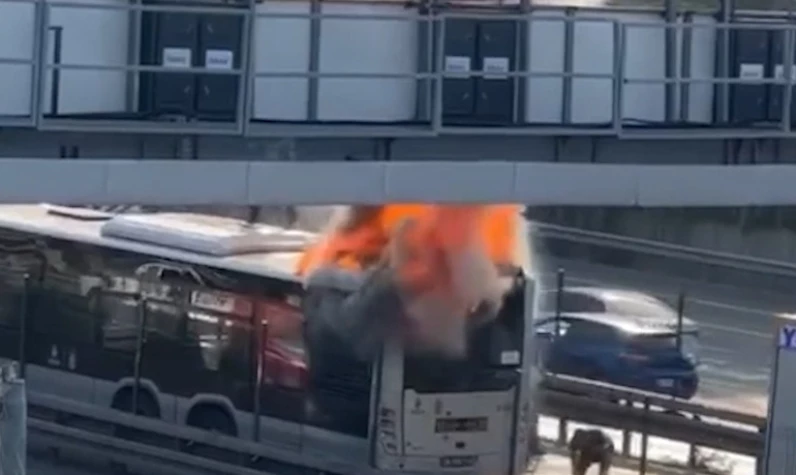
(665, 260)
(87, 425)
(733, 299)
(47, 66)
(13, 422)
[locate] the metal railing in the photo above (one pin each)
(53, 72)
(13, 416)
(137, 440)
(699, 425)
(658, 257)
(665, 249)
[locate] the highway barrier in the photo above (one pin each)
(13, 413)
(134, 440)
(632, 411)
(663, 258)
(664, 249)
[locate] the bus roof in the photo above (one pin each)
(225, 243)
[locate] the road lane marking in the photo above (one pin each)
(739, 331)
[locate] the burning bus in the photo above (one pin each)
(396, 341)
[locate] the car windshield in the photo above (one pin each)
(638, 307)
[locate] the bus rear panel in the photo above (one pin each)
(437, 415)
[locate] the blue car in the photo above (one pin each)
(619, 337)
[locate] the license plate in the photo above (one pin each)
(666, 383)
(445, 425)
(212, 301)
(460, 461)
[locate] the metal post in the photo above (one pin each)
(23, 326)
(569, 66)
(134, 22)
(256, 359)
(787, 71)
(43, 53)
(313, 83)
(642, 464)
(55, 91)
(680, 316)
(723, 57)
(685, 67)
(562, 431)
(13, 424)
(626, 434)
(139, 351)
(619, 76)
(243, 103)
(522, 64)
(679, 337)
(439, 73)
(249, 70)
(37, 75)
(692, 449)
(559, 300)
(425, 63)
(671, 59)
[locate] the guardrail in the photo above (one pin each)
(128, 439)
(572, 399)
(664, 249)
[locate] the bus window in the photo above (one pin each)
(185, 344)
(66, 305)
(12, 287)
(119, 317)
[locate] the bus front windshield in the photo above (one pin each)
(494, 352)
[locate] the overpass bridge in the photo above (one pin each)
(267, 82)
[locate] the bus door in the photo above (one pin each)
(386, 429)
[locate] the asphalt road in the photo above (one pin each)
(736, 328)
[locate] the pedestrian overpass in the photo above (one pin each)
(252, 102)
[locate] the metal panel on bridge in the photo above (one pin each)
(304, 69)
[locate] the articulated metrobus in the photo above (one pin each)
(198, 320)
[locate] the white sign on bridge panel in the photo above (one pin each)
(780, 450)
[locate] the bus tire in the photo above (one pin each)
(212, 418)
(147, 405)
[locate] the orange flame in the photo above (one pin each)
(445, 259)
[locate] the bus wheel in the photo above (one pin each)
(213, 419)
(147, 406)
